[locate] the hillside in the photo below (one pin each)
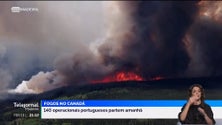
(163, 89)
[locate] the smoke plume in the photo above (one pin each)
(152, 43)
(32, 42)
(167, 39)
(205, 40)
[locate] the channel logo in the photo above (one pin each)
(15, 9)
(23, 9)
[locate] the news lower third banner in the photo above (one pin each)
(118, 109)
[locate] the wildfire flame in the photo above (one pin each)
(120, 76)
(124, 76)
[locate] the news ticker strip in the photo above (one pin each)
(118, 109)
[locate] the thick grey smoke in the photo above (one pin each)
(205, 41)
(30, 42)
(4, 73)
(152, 44)
(168, 39)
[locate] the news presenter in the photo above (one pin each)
(196, 111)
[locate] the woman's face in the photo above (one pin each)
(196, 92)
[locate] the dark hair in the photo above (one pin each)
(201, 90)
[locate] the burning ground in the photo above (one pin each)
(134, 40)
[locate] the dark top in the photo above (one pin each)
(195, 117)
